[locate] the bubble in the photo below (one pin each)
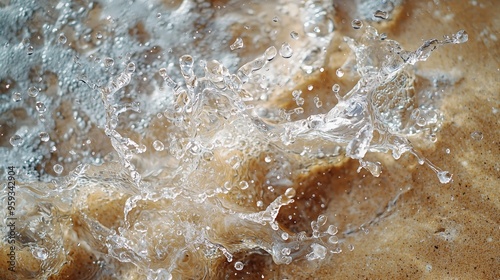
(243, 185)
(270, 53)
(339, 73)
(294, 35)
(158, 15)
(44, 136)
(40, 107)
(238, 44)
(298, 110)
(286, 51)
(333, 240)
(16, 97)
(284, 236)
(275, 19)
(381, 14)
(58, 168)
(332, 230)
(62, 39)
(444, 176)
(290, 193)
(108, 62)
(260, 203)
(336, 88)
(131, 67)
(33, 91)
(16, 140)
(98, 35)
(30, 50)
(318, 102)
(158, 145)
(447, 151)
(350, 247)
(238, 266)
(477, 135)
(267, 159)
(356, 23)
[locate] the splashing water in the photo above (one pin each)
(179, 180)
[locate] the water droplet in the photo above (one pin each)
(275, 19)
(260, 203)
(238, 266)
(40, 253)
(44, 136)
(108, 62)
(16, 140)
(477, 135)
(238, 44)
(286, 51)
(131, 67)
(267, 159)
(290, 193)
(30, 50)
(158, 145)
(62, 39)
(270, 53)
(350, 247)
(444, 176)
(335, 88)
(98, 35)
(318, 102)
(58, 168)
(40, 107)
(381, 14)
(294, 35)
(339, 73)
(33, 91)
(447, 151)
(16, 97)
(284, 236)
(158, 15)
(356, 23)
(333, 240)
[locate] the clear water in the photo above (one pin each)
(156, 113)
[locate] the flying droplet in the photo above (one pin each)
(294, 35)
(40, 107)
(44, 136)
(30, 50)
(62, 39)
(238, 44)
(270, 53)
(16, 97)
(339, 73)
(381, 14)
(33, 91)
(158, 145)
(108, 62)
(336, 88)
(58, 168)
(131, 67)
(238, 266)
(16, 140)
(356, 23)
(286, 51)
(444, 176)
(477, 135)
(460, 37)
(290, 193)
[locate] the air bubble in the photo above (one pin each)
(108, 62)
(356, 23)
(294, 35)
(238, 44)
(40, 107)
(286, 51)
(243, 185)
(318, 102)
(285, 236)
(16, 97)
(333, 240)
(62, 39)
(339, 73)
(332, 230)
(44, 136)
(16, 140)
(58, 168)
(238, 266)
(270, 53)
(381, 14)
(477, 135)
(350, 247)
(158, 145)
(33, 91)
(267, 159)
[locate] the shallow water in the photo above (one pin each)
(169, 139)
